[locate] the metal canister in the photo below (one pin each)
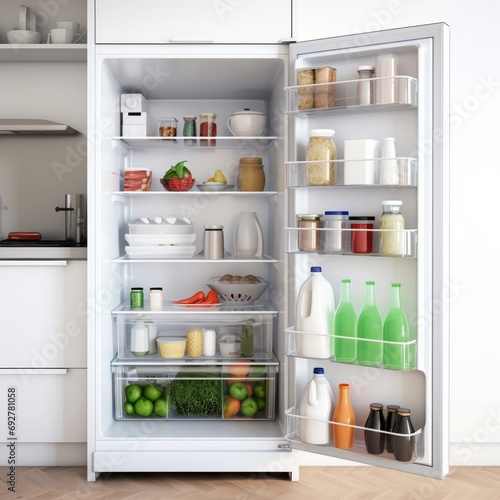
(309, 236)
(213, 247)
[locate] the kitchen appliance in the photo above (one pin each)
(75, 218)
(242, 445)
(136, 121)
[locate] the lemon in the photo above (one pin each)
(133, 392)
(219, 177)
(152, 392)
(143, 407)
(211, 179)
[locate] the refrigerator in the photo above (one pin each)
(190, 80)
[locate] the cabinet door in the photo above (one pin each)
(43, 314)
(44, 406)
(177, 21)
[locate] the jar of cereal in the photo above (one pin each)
(320, 155)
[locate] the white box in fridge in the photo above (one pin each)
(360, 165)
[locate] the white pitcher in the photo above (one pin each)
(248, 238)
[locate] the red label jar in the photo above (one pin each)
(208, 127)
(362, 234)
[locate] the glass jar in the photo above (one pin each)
(167, 127)
(336, 240)
(251, 176)
(364, 90)
(321, 151)
(194, 342)
(362, 236)
(137, 297)
(156, 298)
(189, 129)
(309, 237)
(392, 222)
(208, 127)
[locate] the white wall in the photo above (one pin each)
(475, 181)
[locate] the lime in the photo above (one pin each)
(129, 408)
(161, 407)
(249, 407)
(261, 404)
(143, 407)
(152, 392)
(133, 392)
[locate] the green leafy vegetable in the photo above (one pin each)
(177, 171)
(201, 398)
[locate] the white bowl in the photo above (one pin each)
(211, 186)
(23, 36)
(247, 123)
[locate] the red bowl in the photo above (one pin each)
(184, 184)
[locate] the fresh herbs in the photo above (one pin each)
(201, 397)
(177, 171)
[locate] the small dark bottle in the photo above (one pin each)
(374, 440)
(403, 445)
(392, 416)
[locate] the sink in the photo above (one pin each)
(38, 243)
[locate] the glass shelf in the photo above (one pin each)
(125, 259)
(119, 195)
(296, 172)
(43, 53)
(343, 94)
(196, 142)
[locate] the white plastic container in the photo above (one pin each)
(389, 170)
(360, 165)
(337, 239)
(317, 403)
(314, 316)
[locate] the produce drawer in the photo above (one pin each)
(253, 330)
(239, 391)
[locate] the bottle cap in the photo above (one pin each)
(316, 269)
(370, 282)
(322, 132)
(392, 202)
(376, 406)
(392, 408)
(396, 285)
(319, 371)
(404, 411)
(346, 281)
(336, 212)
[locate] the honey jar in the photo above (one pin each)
(251, 176)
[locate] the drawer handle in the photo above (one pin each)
(33, 371)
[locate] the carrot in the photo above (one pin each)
(211, 298)
(194, 299)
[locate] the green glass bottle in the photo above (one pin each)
(345, 325)
(401, 355)
(370, 327)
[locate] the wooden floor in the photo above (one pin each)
(351, 483)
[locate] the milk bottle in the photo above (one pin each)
(317, 403)
(314, 316)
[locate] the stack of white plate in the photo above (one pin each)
(160, 237)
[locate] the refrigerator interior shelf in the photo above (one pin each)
(197, 142)
(359, 448)
(296, 172)
(300, 98)
(43, 52)
(120, 196)
(405, 351)
(197, 258)
(298, 239)
(195, 392)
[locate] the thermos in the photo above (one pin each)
(213, 242)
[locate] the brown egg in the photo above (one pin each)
(226, 277)
(245, 280)
(235, 279)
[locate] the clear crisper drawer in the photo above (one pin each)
(397, 355)
(239, 391)
(251, 334)
(412, 443)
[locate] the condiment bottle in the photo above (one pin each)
(247, 339)
(399, 352)
(316, 405)
(374, 440)
(309, 236)
(343, 436)
(370, 327)
(251, 176)
(364, 90)
(392, 415)
(139, 340)
(320, 155)
(404, 445)
(392, 223)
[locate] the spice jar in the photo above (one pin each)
(320, 153)
(362, 234)
(208, 127)
(189, 129)
(309, 236)
(167, 127)
(137, 297)
(392, 238)
(364, 90)
(251, 176)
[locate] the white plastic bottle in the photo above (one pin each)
(389, 170)
(317, 403)
(314, 316)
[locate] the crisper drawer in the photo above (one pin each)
(44, 406)
(253, 333)
(239, 391)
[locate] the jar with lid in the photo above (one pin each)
(156, 297)
(251, 176)
(167, 127)
(364, 90)
(189, 129)
(392, 224)
(320, 155)
(208, 127)
(362, 233)
(336, 240)
(309, 234)
(137, 297)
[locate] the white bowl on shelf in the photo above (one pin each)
(23, 37)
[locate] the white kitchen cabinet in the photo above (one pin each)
(197, 21)
(53, 334)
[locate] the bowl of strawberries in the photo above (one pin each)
(178, 178)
